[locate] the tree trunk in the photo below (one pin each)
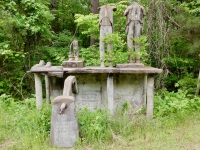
(94, 10)
(55, 22)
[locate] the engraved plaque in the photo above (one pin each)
(89, 98)
(64, 127)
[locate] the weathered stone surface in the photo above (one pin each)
(72, 64)
(121, 68)
(110, 90)
(134, 24)
(56, 86)
(144, 69)
(106, 27)
(75, 54)
(92, 90)
(129, 88)
(46, 69)
(130, 65)
(101, 87)
(64, 127)
(64, 124)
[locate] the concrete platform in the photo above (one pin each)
(100, 87)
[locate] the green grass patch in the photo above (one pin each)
(22, 126)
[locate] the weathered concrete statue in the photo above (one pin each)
(134, 24)
(74, 45)
(106, 27)
(64, 124)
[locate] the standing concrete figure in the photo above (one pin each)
(134, 24)
(106, 27)
(74, 45)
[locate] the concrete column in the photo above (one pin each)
(145, 91)
(150, 96)
(110, 91)
(47, 86)
(38, 90)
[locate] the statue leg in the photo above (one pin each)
(130, 40)
(137, 34)
(101, 46)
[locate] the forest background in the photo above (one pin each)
(33, 30)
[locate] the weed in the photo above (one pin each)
(167, 103)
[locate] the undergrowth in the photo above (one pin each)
(23, 126)
(170, 103)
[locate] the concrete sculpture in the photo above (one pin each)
(64, 124)
(74, 46)
(134, 24)
(106, 27)
(73, 61)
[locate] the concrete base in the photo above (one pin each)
(72, 64)
(130, 65)
(103, 87)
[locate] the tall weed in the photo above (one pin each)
(167, 103)
(23, 123)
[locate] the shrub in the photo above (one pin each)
(167, 103)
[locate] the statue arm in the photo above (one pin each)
(114, 8)
(126, 11)
(143, 11)
(100, 16)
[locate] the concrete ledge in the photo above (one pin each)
(130, 65)
(73, 64)
(142, 69)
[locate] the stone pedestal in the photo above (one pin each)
(64, 126)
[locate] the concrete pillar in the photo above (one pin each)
(150, 96)
(47, 86)
(145, 91)
(110, 91)
(38, 90)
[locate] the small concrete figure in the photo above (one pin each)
(73, 61)
(134, 24)
(106, 27)
(75, 50)
(64, 124)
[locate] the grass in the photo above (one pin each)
(167, 133)
(23, 127)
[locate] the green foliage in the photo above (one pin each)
(116, 54)
(93, 126)
(142, 41)
(188, 82)
(23, 126)
(99, 126)
(27, 126)
(23, 25)
(88, 24)
(168, 103)
(192, 7)
(58, 50)
(90, 55)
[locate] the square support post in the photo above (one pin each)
(110, 92)
(47, 86)
(150, 96)
(145, 91)
(38, 90)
